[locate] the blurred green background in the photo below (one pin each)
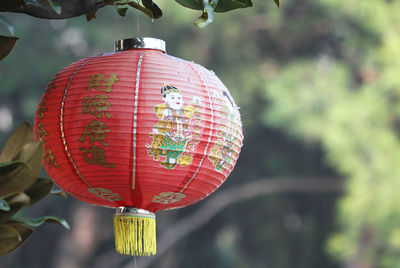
(318, 83)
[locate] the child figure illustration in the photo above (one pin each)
(172, 133)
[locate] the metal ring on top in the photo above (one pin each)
(139, 43)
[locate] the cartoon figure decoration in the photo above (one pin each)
(178, 130)
(226, 149)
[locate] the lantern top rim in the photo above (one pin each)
(139, 43)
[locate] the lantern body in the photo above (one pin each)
(138, 128)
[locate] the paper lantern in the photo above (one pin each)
(140, 131)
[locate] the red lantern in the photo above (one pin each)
(140, 131)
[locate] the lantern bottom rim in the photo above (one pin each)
(121, 211)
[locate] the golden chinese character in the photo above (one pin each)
(42, 108)
(96, 155)
(96, 105)
(51, 85)
(99, 82)
(50, 158)
(96, 131)
(42, 133)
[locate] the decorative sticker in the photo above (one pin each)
(224, 152)
(178, 130)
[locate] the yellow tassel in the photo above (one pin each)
(135, 232)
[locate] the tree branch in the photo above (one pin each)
(219, 201)
(69, 8)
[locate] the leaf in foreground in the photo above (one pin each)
(39, 189)
(4, 205)
(16, 203)
(39, 221)
(208, 13)
(59, 192)
(24, 232)
(55, 6)
(15, 178)
(19, 138)
(223, 5)
(143, 9)
(6, 45)
(9, 239)
(149, 4)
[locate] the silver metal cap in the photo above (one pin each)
(139, 43)
(130, 210)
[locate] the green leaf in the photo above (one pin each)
(39, 221)
(8, 165)
(8, 24)
(193, 4)
(134, 4)
(18, 199)
(277, 3)
(13, 146)
(32, 154)
(9, 239)
(59, 192)
(7, 43)
(15, 178)
(12, 236)
(122, 11)
(24, 232)
(16, 203)
(8, 170)
(56, 6)
(228, 5)
(29, 151)
(143, 9)
(18, 177)
(149, 4)
(208, 13)
(4, 205)
(20, 147)
(223, 5)
(39, 189)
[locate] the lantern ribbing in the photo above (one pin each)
(192, 65)
(62, 122)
